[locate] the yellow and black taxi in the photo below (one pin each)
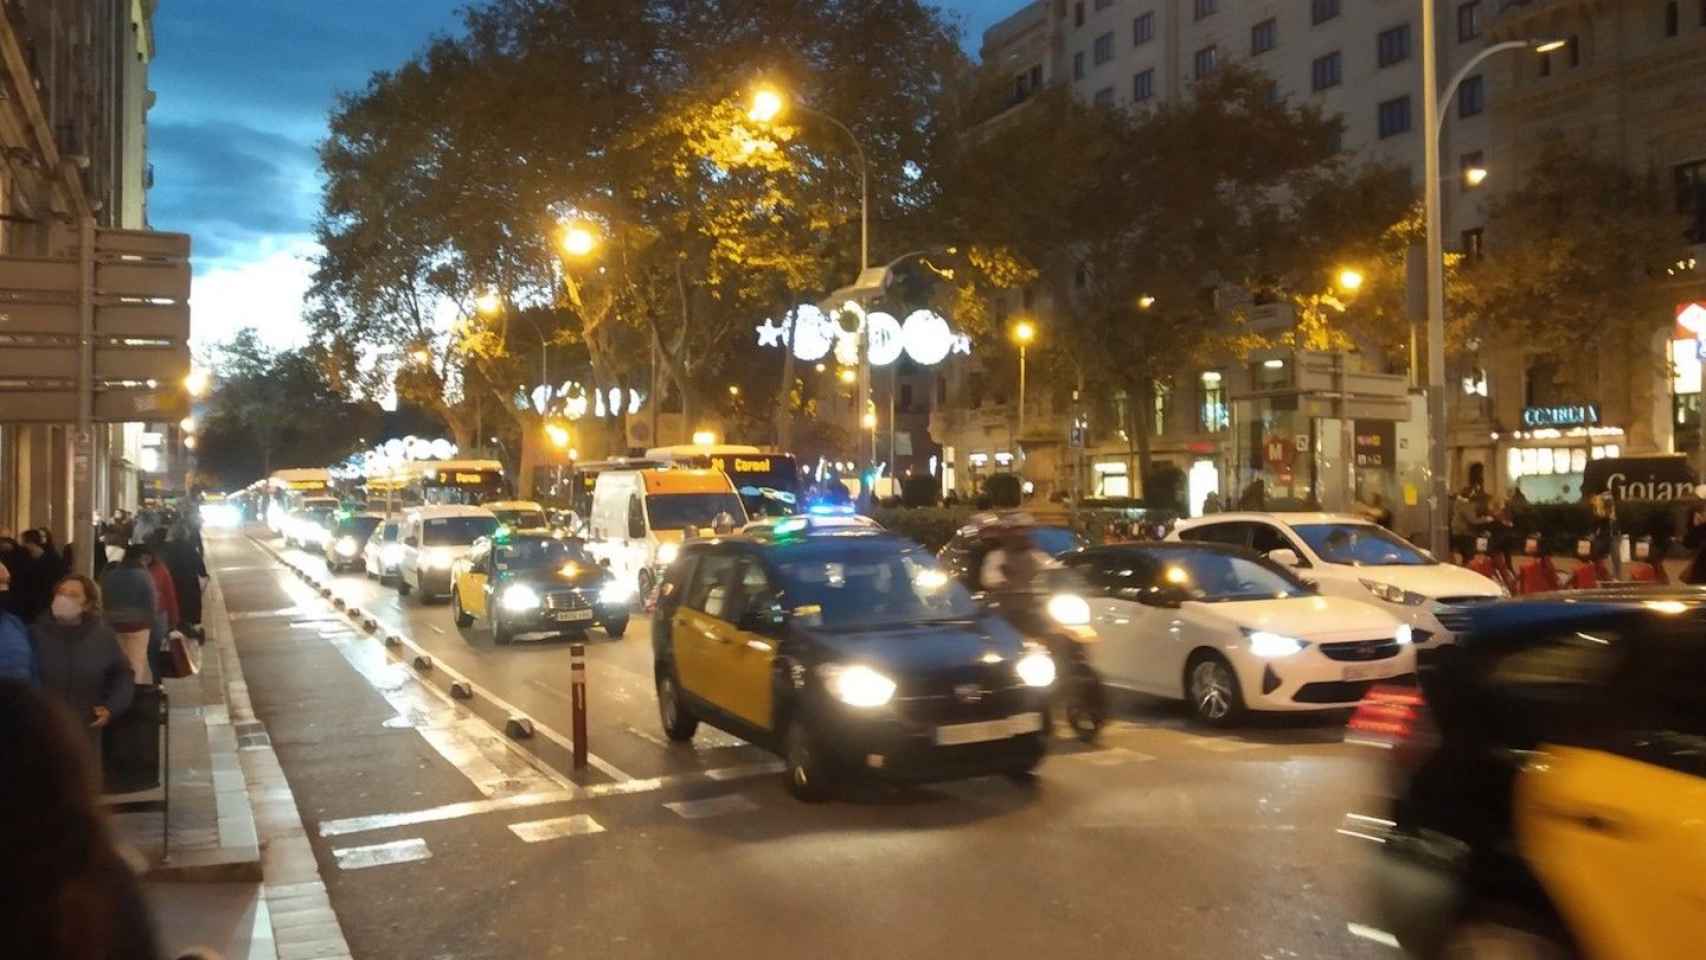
(1551, 780)
(847, 651)
(532, 582)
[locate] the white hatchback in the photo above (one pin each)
(1226, 631)
(1347, 556)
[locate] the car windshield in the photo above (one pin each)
(676, 511)
(1054, 541)
(1360, 545)
(358, 527)
(456, 531)
(318, 517)
(533, 553)
(1215, 576)
(390, 533)
(522, 519)
(841, 583)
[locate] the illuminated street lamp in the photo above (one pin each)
(767, 105)
(1023, 333)
(846, 375)
(421, 355)
(1474, 176)
(1350, 279)
(734, 391)
(578, 240)
(558, 433)
(489, 302)
(1145, 302)
(187, 424)
(198, 382)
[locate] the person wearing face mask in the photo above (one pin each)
(78, 659)
(17, 656)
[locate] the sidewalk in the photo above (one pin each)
(239, 876)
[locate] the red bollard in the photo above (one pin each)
(577, 672)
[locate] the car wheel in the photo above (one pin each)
(1212, 691)
(462, 618)
(500, 633)
(616, 628)
(808, 775)
(1086, 706)
(679, 723)
(402, 586)
(1505, 933)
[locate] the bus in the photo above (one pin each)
(288, 490)
(768, 481)
(445, 482)
(586, 478)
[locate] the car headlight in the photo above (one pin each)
(667, 553)
(1269, 645)
(391, 554)
(520, 598)
(615, 592)
(346, 546)
(436, 559)
(1069, 609)
(1392, 594)
(1036, 667)
(1405, 635)
(857, 685)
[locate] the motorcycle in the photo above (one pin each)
(1080, 696)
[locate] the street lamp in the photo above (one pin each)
(734, 390)
(1023, 333)
(767, 105)
(846, 375)
(1474, 176)
(488, 303)
(578, 240)
(187, 424)
(1434, 104)
(1350, 279)
(197, 382)
(420, 355)
(1145, 302)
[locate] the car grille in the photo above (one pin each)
(1454, 613)
(566, 600)
(1333, 691)
(1378, 649)
(979, 692)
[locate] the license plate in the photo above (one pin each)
(570, 616)
(1362, 673)
(956, 734)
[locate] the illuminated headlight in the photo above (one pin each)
(391, 554)
(1270, 645)
(520, 598)
(436, 559)
(1391, 594)
(1036, 667)
(668, 552)
(857, 685)
(615, 592)
(1069, 609)
(1404, 635)
(346, 546)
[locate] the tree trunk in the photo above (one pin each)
(532, 437)
(785, 392)
(1145, 394)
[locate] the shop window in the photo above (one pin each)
(1163, 403)
(1112, 479)
(1212, 413)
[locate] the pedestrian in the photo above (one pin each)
(188, 567)
(79, 660)
(13, 559)
(17, 656)
(66, 892)
(37, 576)
(133, 609)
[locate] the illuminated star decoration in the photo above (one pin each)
(962, 344)
(770, 333)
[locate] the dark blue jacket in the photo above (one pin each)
(17, 654)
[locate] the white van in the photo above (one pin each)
(640, 517)
(432, 539)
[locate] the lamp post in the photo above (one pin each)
(1434, 109)
(768, 104)
(1023, 333)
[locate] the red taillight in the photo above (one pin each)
(1389, 716)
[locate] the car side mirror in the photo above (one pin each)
(1285, 557)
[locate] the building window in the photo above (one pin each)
(1263, 36)
(1394, 117)
(1474, 245)
(1206, 8)
(1103, 49)
(1104, 97)
(1468, 21)
(1320, 11)
(1163, 400)
(1473, 166)
(1324, 72)
(1213, 415)
(1078, 65)
(1393, 46)
(1143, 86)
(1206, 59)
(1691, 198)
(1143, 29)
(1471, 97)
(1078, 14)
(1673, 18)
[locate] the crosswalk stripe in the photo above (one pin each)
(577, 825)
(382, 854)
(711, 807)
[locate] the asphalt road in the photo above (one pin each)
(437, 838)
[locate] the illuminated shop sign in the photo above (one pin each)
(1568, 415)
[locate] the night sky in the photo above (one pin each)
(244, 87)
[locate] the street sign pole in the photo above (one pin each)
(577, 687)
(83, 476)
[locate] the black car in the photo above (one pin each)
(343, 545)
(846, 651)
(535, 582)
(1550, 774)
(963, 555)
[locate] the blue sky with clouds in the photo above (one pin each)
(244, 89)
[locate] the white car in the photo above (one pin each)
(1347, 556)
(433, 538)
(383, 551)
(1226, 631)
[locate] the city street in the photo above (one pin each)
(437, 837)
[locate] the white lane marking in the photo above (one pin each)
(1109, 757)
(435, 628)
(1219, 744)
(711, 807)
(261, 614)
(381, 854)
(535, 831)
(1370, 933)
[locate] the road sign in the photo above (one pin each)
(140, 299)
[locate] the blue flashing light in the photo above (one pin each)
(830, 509)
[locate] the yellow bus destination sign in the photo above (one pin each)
(742, 465)
(468, 478)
